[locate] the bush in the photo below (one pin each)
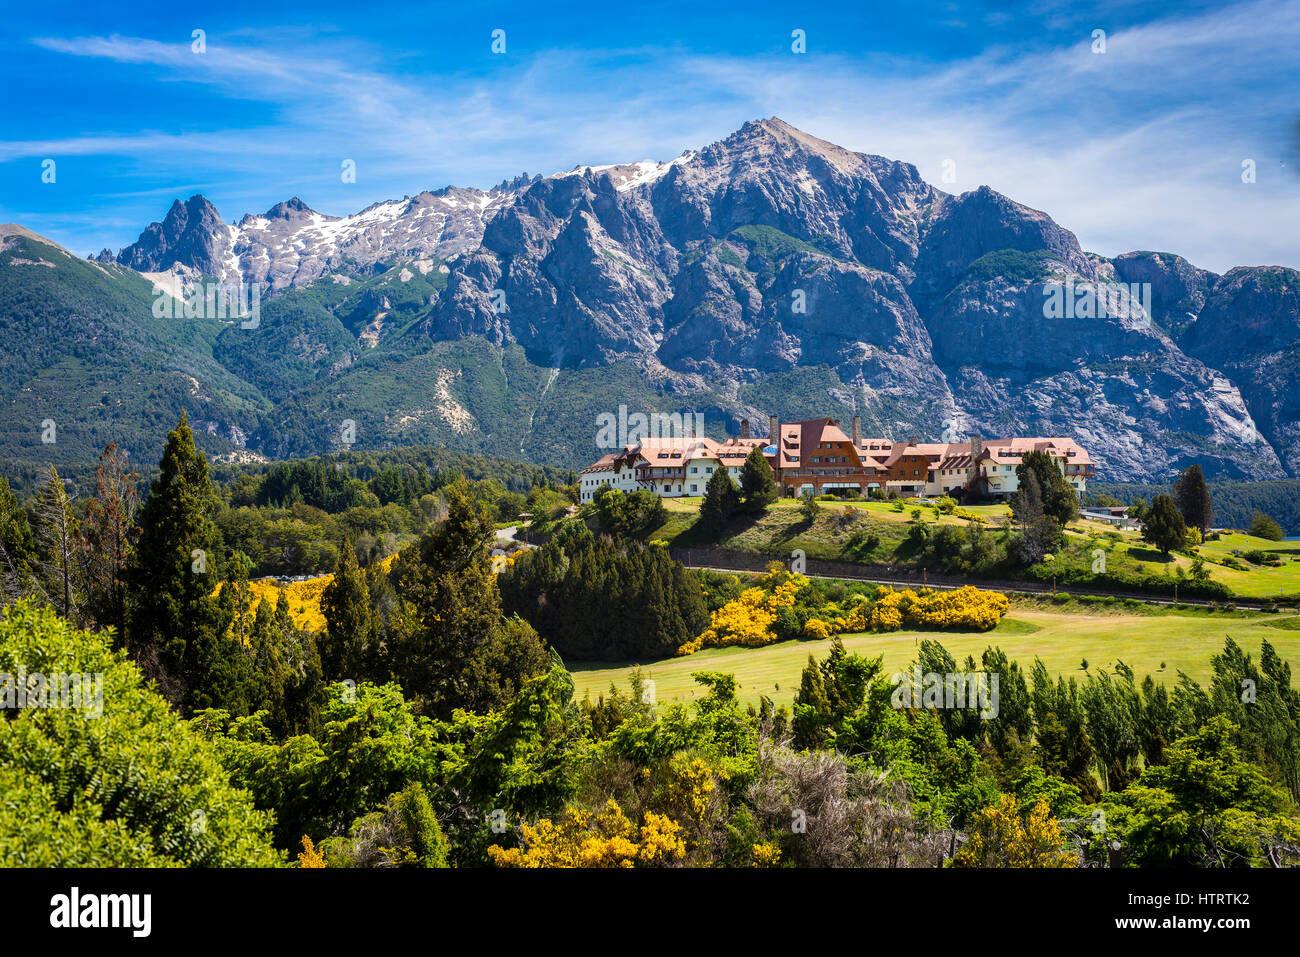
(118, 784)
(962, 609)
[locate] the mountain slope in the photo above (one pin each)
(768, 273)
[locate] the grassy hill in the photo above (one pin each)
(870, 532)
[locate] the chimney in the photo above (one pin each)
(976, 446)
(914, 441)
(744, 428)
(774, 428)
(857, 430)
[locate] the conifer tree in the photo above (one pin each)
(757, 482)
(450, 646)
(1163, 526)
(349, 623)
(56, 544)
(1192, 496)
(721, 499)
(172, 608)
(1060, 500)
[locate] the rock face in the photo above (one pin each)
(191, 235)
(773, 255)
(293, 245)
(1250, 328)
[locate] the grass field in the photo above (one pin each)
(1179, 641)
(783, 529)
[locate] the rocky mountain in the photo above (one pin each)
(769, 273)
(292, 245)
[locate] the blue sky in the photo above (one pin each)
(1139, 147)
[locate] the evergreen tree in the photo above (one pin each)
(350, 634)
(451, 647)
(1192, 496)
(812, 709)
(757, 482)
(172, 613)
(721, 499)
(1163, 526)
(56, 544)
(1060, 500)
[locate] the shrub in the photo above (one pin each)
(962, 609)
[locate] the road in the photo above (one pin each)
(909, 579)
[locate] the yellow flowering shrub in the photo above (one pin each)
(304, 596)
(748, 619)
(962, 609)
(310, 855)
(691, 789)
(816, 628)
(1002, 837)
(604, 839)
(766, 855)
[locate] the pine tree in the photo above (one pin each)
(172, 609)
(450, 646)
(757, 482)
(1163, 526)
(1192, 496)
(812, 709)
(721, 498)
(349, 624)
(1060, 500)
(56, 544)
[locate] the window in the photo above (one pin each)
(693, 471)
(693, 488)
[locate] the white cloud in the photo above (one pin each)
(1137, 148)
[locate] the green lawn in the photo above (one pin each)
(1183, 641)
(783, 528)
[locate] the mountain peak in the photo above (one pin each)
(191, 234)
(290, 207)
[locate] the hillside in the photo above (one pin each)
(768, 273)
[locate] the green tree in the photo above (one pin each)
(404, 833)
(450, 645)
(117, 781)
(350, 632)
(1205, 806)
(1192, 496)
(1263, 526)
(172, 615)
(757, 483)
(1038, 531)
(1163, 526)
(1060, 500)
(721, 500)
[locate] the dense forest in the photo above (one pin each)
(430, 719)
